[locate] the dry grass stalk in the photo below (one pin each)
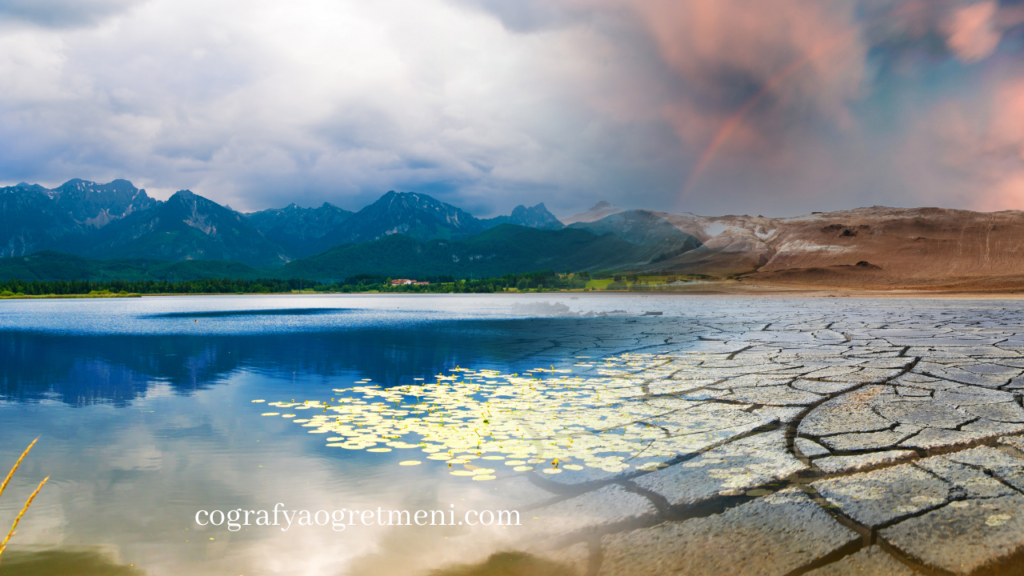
(3, 545)
(16, 464)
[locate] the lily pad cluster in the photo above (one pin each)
(482, 423)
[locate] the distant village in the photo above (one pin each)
(407, 282)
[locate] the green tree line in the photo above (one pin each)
(543, 280)
(208, 286)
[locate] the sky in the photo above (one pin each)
(714, 107)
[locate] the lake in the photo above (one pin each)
(143, 409)
(150, 410)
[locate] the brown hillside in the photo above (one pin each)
(919, 246)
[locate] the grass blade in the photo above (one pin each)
(3, 545)
(16, 464)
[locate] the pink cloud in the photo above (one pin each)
(1003, 150)
(971, 150)
(972, 31)
(804, 62)
(781, 98)
(714, 44)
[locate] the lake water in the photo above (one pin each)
(145, 414)
(143, 409)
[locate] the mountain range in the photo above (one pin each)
(117, 220)
(34, 218)
(82, 229)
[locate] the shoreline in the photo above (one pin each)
(69, 296)
(706, 289)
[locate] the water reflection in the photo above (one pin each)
(82, 370)
(249, 313)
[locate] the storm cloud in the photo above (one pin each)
(707, 106)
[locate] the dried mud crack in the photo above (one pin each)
(889, 446)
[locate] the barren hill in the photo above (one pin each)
(917, 246)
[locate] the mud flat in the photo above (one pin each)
(867, 440)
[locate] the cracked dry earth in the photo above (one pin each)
(886, 439)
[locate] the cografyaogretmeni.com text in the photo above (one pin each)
(338, 520)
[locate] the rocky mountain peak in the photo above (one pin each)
(535, 217)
